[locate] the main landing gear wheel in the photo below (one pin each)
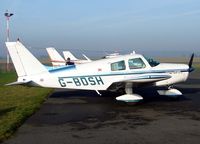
(129, 97)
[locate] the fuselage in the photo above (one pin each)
(101, 74)
(121, 72)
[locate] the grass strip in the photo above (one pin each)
(17, 103)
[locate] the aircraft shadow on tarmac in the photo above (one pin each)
(149, 94)
(192, 81)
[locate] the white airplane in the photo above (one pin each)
(58, 60)
(113, 74)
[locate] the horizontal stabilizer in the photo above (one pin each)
(18, 83)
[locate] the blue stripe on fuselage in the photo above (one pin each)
(62, 68)
(130, 73)
(139, 77)
(71, 67)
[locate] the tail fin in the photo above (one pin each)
(88, 59)
(56, 58)
(24, 62)
(68, 54)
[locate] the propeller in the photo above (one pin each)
(190, 63)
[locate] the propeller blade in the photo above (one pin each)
(191, 60)
(190, 63)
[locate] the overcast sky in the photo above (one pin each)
(104, 25)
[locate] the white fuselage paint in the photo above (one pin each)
(97, 75)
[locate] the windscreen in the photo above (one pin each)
(152, 62)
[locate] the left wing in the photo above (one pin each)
(147, 78)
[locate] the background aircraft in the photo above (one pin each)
(113, 74)
(68, 54)
(57, 60)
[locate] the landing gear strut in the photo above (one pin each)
(129, 96)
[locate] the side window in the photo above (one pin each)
(120, 65)
(136, 63)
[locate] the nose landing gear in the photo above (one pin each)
(170, 92)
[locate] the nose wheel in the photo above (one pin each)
(170, 92)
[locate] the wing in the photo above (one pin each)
(147, 78)
(142, 80)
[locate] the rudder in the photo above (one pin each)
(24, 62)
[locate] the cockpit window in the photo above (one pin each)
(136, 63)
(120, 65)
(152, 62)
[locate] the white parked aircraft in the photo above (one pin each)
(55, 58)
(58, 60)
(122, 72)
(68, 54)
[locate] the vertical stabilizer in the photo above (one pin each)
(88, 59)
(56, 58)
(68, 54)
(24, 62)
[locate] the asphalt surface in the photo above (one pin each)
(71, 117)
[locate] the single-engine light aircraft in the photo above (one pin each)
(113, 74)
